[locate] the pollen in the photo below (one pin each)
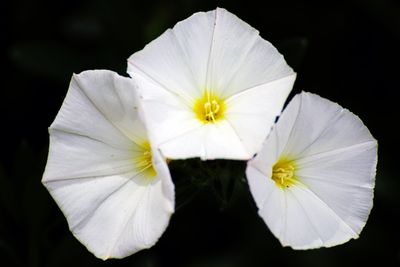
(143, 161)
(209, 108)
(283, 173)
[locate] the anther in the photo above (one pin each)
(211, 110)
(283, 174)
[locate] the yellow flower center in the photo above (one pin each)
(144, 161)
(209, 108)
(283, 173)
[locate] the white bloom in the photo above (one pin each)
(211, 87)
(114, 189)
(313, 179)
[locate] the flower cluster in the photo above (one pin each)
(211, 88)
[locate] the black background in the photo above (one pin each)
(345, 51)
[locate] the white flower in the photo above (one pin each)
(211, 87)
(313, 179)
(114, 189)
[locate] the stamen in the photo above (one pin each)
(144, 162)
(209, 108)
(214, 106)
(283, 173)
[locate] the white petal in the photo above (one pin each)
(273, 211)
(259, 185)
(96, 130)
(180, 135)
(79, 156)
(318, 125)
(115, 216)
(213, 51)
(177, 60)
(335, 157)
(240, 59)
(116, 98)
(80, 115)
(253, 112)
(344, 180)
(210, 141)
(310, 223)
(110, 207)
(166, 115)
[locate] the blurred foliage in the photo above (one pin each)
(346, 51)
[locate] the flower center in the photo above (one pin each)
(283, 173)
(144, 161)
(209, 108)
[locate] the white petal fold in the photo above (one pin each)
(335, 160)
(111, 206)
(216, 52)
